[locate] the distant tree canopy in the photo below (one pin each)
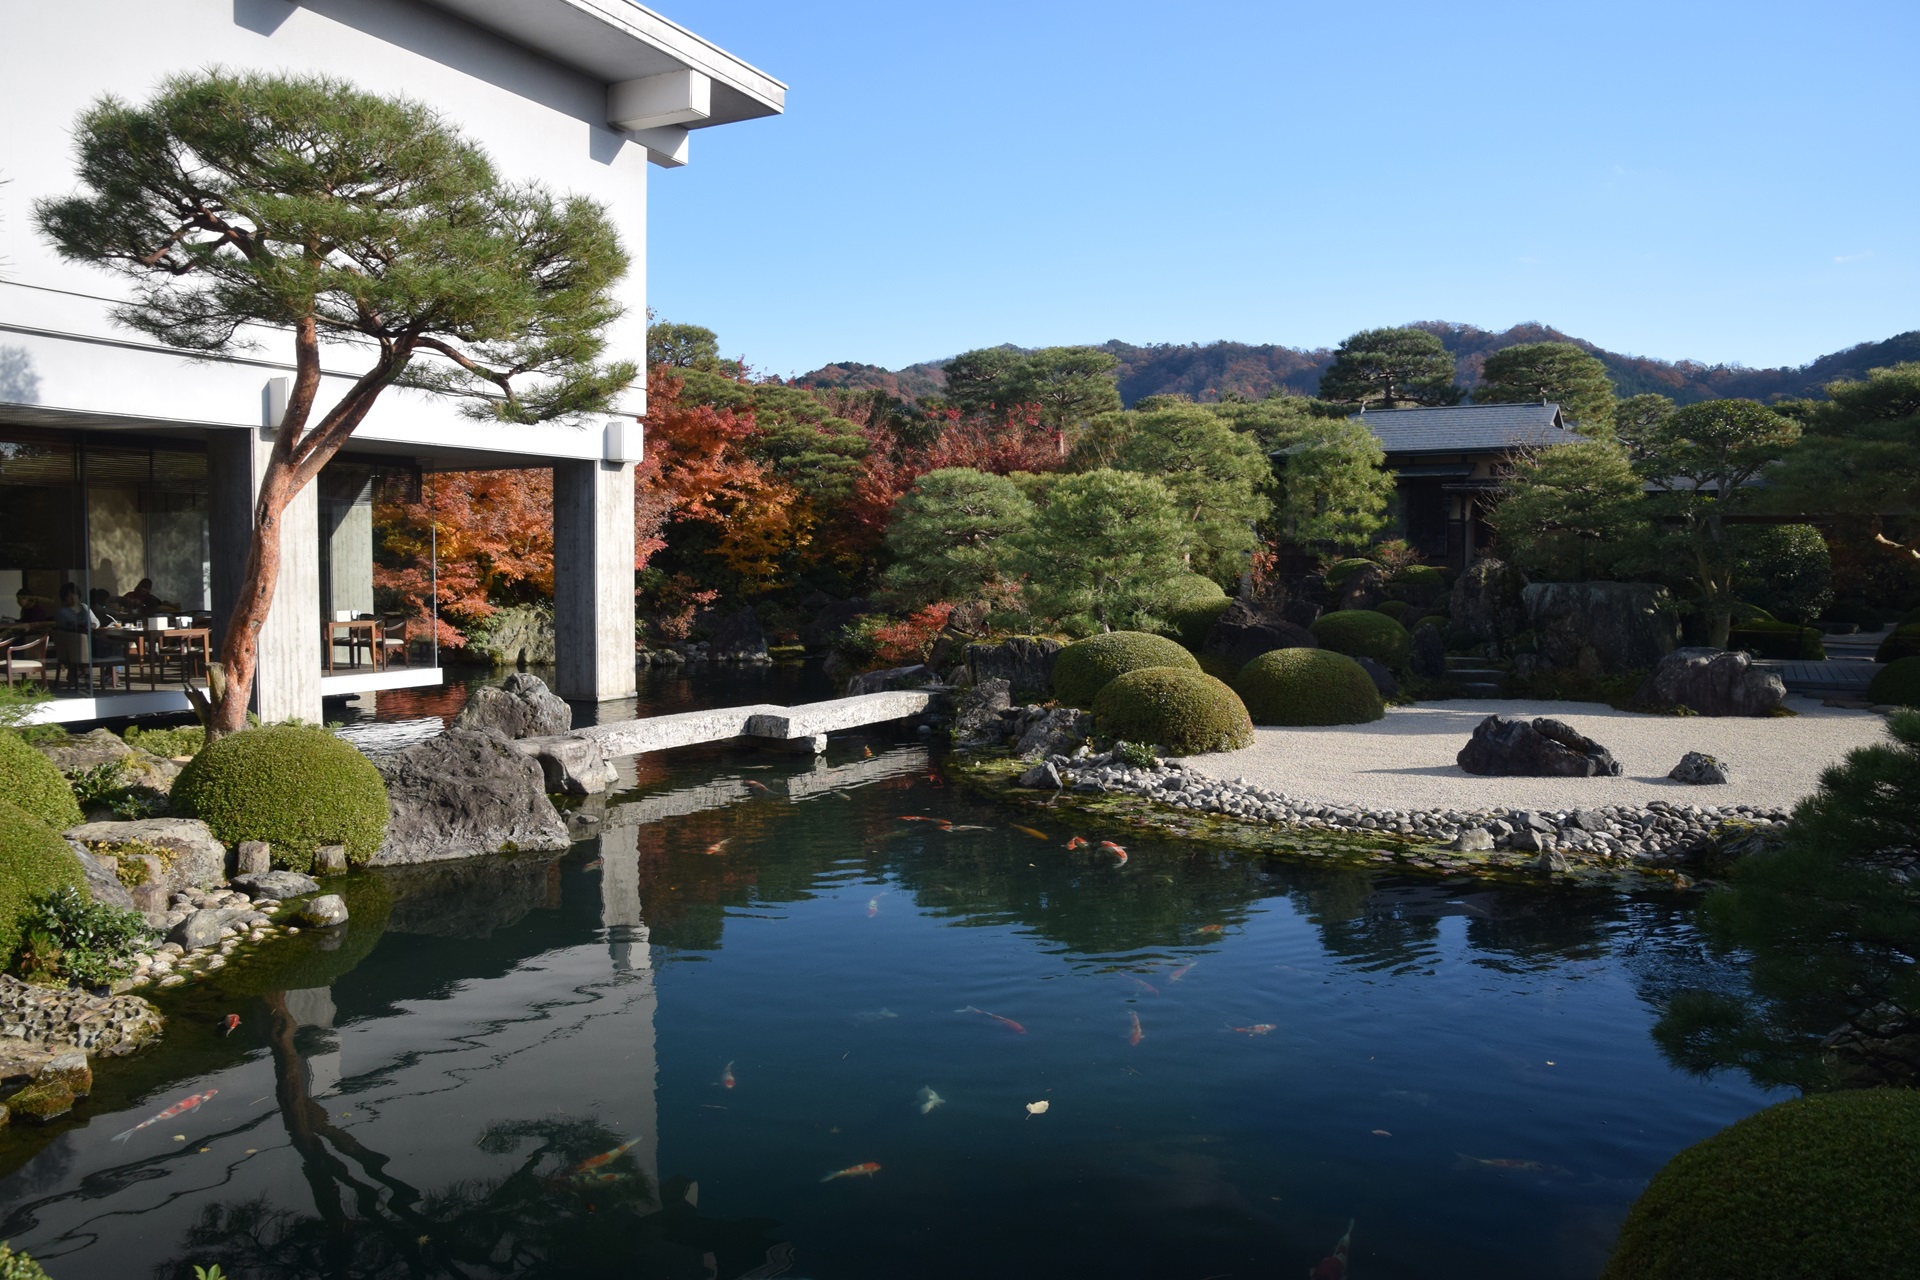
(951, 536)
(1216, 475)
(1064, 387)
(1572, 513)
(1391, 369)
(683, 346)
(1553, 372)
(1861, 454)
(1101, 550)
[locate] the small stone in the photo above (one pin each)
(149, 898)
(276, 884)
(1042, 775)
(324, 911)
(330, 860)
(1697, 768)
(255, 858)
(1553, 862)
(69, 1069)
(1473, 840)
(41, 1102)
(201, 929)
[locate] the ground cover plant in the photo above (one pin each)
(1084, 667)
(1185, 711)
(294, 786)
(70, 936)
(1308, 687)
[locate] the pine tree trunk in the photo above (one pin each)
(240, 647)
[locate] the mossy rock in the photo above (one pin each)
(29, 780)
(1819, 1186)
(1782, 640)
(1185, 711)
(1904, 642)
(293, 786)
(1362, 633)
(1084, 667)
(1345, 571)
(1189, 623)
(1897, 683)
(1308, 687)
(34, 861)
(41, 1102)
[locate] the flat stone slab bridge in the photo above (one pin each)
(806, 725)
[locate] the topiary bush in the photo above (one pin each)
(1781, 640)
(1395, 609)
(1744, 614)
(1362, 633)
(29, 780)
(1418, 583)
(1308, 686)
(294, 786)
(34, 862)
(1187, 712)
(1083, 668)
(1191, 588)
(1220, 667)
(1189, 623)
(1344, 571)
(1897, 683)
(1902, 642)
(1819, 1186)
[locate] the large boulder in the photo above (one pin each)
(1487, 602)
(189, 854)
(891, 678)
(1024, 662)
(1050, 731)
(1245, 631)
(737, 637)
(572, 765)
(1601, 628)
(1542, 748)
(1713, 682)
(520, 636)
(462, 794)
(980, 712)
(103, 882)
(520, 707)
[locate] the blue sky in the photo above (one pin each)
(1720, 182)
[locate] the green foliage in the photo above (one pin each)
(1307, 687)
(1219, 667)
(1764, 639)
(951, 535)
(1066, 385)
(1897, 683)
(29, 781)
(1391, 368)
(794, 436)
(92, 943)
(1179, 708)
(295, 787)
(1191, 588)
(1362, 633)
(1215, 474)
(684, 346)
(1420, 577)
(171, 743)
(34, 861)
(1189, 623)
(1084, 668)
(1902, 642)
(1333, 486)
(1555, 372)
(18, 1266)
(1786, 569)
(1344, 571)
(1814, 1186)
(1572, 513)
(208, 1273)
(17, 702)
(1860, 453)
(1138, 754)
(96, 785)
(1636, 415)
(1395, 609)
(1100, 550)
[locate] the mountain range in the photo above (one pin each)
(1213, 370)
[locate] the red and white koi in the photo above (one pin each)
(1008, 1023)
(228, 1023)
(1181, 972)
(726, 1077)
(1116, 851)
(603, 1159)
(1143, 984)
(1134, 1032)
(1257, 1029)
(718, 846)
(179, 1108)
(1076, 842)
(866, 1170)
(1334, 1265)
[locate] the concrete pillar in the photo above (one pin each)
(286, 683)
(593, 580)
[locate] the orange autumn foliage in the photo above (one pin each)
(494, 531)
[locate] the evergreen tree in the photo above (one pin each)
(1216, 475)
(951, 535)
(1555, 372)
(1391, 369)
(1573, 512)
(1101, 550)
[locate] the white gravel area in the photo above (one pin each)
(1406, 761)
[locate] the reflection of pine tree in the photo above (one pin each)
(1831, 932)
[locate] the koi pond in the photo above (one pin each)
(839, 1018)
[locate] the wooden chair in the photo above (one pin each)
(393, 638)
(24, 660)
(168, 659)
(74, 652)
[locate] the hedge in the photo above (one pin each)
(1395, 609)
(29, 780)
(1083, 668)
(34, 861)
(1819, 1186)
(1189, 623)
(1362, 633)
(1184, 711)
(1902, 642)
(294, 786)
(1897, 683)
(1308, 686)
(1778, 640)
(1190, 588)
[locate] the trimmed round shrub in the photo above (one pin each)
(1395, 609)
(294, 786)
(1418, 583)
(1187, 712)
(1343, 571)
(1189, 623)
(1191, 588)
(1781, 640)
(29, 780)
(1083, 668)
(1746, 614)
(1308, 686)
(1821, 1185)
(1902, 642)
(1220, 666)
(34, 861)
(1362, 633)
(1897, 683)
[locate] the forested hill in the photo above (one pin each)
(1212, 370)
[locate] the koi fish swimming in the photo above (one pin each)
(726, 1077)
(1257, 1029)
(1028, 831)
(929, 1100)
(758, 785)
(866, 1170)
(1134, 1034)
(1008, 1023)
(602, 1160)
(1213, 928)
(1181, 972)
(1334, 1265)
(179, 1108)
(1076, 842)
(1467, 1162)
(1116, 851)
(873, 905)
(228, 1023)
(1143, 984)
(718, 846)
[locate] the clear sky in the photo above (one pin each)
(1713, 181)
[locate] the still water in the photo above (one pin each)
(645, 1058)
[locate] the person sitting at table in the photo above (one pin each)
(72, 617)
(142, 597)
(32, 607)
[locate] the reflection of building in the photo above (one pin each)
(122, 460)
(313, 1008)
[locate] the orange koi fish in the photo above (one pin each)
(1213, 928)
(1257, 1029)
(603, 1159)
(1008, 1023)
(866, 753)
(1508, 1166)
(758, 785)
(1334, 1265)
(866, 1170)
(1077, 842)
(1143, 984)
(1028, 831)
(718, 846)
(1181, 972)
(179, 1108)
(595, 865)
(1134, 1034)
(228, 1023)
(914, 817)
(726, 1076)
(873, 905)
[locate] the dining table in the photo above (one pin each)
(358, 631)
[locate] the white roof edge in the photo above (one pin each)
(685, 36)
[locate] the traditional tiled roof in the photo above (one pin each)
(1468, 428)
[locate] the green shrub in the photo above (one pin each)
(1183, 710)
(1420, 584)
(1744, 614)
(1084, 667)
(1344, 571)
(180, 740)
(1784, 568)
(71, 936)
(1819, 1186)
(18, 1266)
(1395, 609)
(29, 780)
(1902, 642)
(1220, 667)
(34, 861)
(1362, 633)
(1189, 623)
(1781, 640)
(1308, 686)
(1191, 588)
(1897, 683)
(294, 786)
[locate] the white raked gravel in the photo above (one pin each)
(1406, 761)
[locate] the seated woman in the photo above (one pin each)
(74, 617)
(32, 607)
